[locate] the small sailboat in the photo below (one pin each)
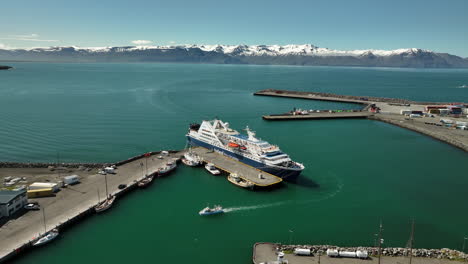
(212, 169)
(148, 178)
(191, 159)
(47, 236)
(107, 203)
(211, 211)
(145, 181)
(170, 166)
(235, 179)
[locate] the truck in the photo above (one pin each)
(70, 180)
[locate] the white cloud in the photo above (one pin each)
(142, 42)
(172, 42)
(3, 46)
(29, 37)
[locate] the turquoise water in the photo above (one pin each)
(357, 171)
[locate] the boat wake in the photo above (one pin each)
(339, 188)
(253, 207)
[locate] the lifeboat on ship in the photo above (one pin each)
(233, 145)
(243, 148)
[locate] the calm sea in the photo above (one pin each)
(357, 171)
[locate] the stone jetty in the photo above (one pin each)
(443, 253)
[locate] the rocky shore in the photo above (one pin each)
(6, 164)
(443, 253)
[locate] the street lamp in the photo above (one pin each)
(290, 236)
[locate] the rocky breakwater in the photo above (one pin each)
(361, 99)
(5, 67)
(7, 164)
(443, 253)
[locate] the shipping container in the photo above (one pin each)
(40, 193)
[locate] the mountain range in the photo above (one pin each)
(242, 54)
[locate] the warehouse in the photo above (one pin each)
(11, 202)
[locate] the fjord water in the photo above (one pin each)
(357, 171)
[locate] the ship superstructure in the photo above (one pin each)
(249, 149)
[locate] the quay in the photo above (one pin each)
(388, 110)
(231, 165)
(267, 253)
(321, 115)
(75, 202)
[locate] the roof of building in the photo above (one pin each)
(7, 196)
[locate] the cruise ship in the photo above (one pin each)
(248, 149)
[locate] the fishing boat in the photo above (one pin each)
(235, 179)
(47, 236)
(211, 211)
(212, 169)
(217, 135)
(106, 203)
(145, 181)
(191, 159)
(170, 166)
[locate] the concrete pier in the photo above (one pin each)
(390, 112)
(231, 165)
(322, 115)
(73, 202)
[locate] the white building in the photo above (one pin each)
(12, 201)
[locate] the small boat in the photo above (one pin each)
(170, 166)
(233, 145)
(212, 169)
(104, 205)
(145, 181)
(46, 238)
(191, 159)
(235, 179)
(210, 211)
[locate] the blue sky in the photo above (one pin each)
(436, 25)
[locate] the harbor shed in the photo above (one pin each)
(12, 201)
(44, 185)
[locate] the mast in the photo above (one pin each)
(411, 242)
(43, 216)
(380, 239)
(105, 178)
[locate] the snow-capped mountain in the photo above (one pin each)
(242, 54)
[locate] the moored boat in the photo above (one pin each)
(235, 179)
(104, 205)
(191, 159)
(211, 211)
(46, 238)
(170, 166)
(145, 181)
(212, 169)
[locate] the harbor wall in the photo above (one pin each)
(338, 97)
(443, 253)
(425, 131)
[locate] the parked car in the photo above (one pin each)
(32, 206)
(122, 186)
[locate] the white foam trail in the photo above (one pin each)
(253, 207)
